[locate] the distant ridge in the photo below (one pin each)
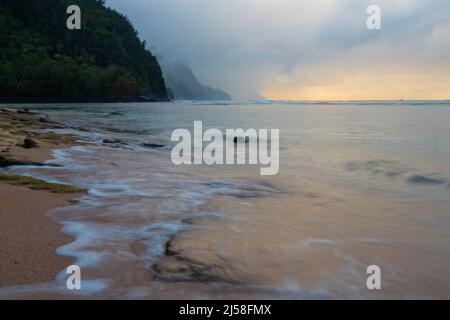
(182, 84)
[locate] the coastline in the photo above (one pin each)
(150, 230)
(49, 101)
(28, 237)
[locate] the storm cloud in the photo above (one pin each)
(303, 49)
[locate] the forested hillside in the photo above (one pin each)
(41, 59)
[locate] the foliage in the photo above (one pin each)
(105, 60)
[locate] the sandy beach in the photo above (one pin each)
(28, 236)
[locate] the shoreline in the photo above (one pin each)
(29, 237)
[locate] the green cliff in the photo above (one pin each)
(41, 59)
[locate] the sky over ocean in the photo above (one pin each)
(301, 49)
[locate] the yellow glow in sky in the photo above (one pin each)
(381, 84)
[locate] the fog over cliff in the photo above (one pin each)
(182, 84)
(303, 48)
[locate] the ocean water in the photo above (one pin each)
(360, 184)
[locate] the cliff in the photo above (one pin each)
(182, 84)
(41, 59)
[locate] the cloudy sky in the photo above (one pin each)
(303, 49)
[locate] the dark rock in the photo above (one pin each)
(6, 162)
(3, 161)
(24, 111)
(426, 180)
(29, 143)
(111, 141)
(153, 145)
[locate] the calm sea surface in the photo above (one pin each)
(359, 184)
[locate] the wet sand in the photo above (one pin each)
(28, 237)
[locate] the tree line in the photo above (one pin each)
(41, 59)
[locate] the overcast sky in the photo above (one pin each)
(303, 49)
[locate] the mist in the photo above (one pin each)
(299, 49)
